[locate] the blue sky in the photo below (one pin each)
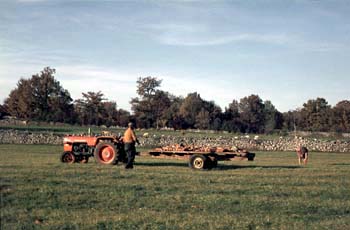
(284, 51)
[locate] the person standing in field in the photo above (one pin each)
(303, 154)
(130, 140)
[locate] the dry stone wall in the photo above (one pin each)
(279, 144)
(23, 137)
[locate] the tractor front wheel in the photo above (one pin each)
(67, 157)
(105, 153)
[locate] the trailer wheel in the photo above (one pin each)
(67, 157)
(105, 153)
(199, 162)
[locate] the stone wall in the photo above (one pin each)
(24, 137)
(279, 144)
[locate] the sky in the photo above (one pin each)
(284, 51)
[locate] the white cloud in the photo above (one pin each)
(9, 76)
(115, 85)
(121, 86)
(31, 1)
(204, 35)
(221, 89)
(225, 39)
(318, 46)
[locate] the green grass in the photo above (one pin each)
(39, 192)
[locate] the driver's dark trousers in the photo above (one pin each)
(130, 153)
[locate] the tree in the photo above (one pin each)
(315, 115)
(190, 108)
(171, 114)
(20, 100)
(91, 108)
(40, 98)
(203, 119)
(3, 111)
(146, 87)
(110, 113)
(149, 106)
(341, 116)
(252, 114)
(160, 103)
(273, 118)
(123, 118)
(231, 118)
(215, 114)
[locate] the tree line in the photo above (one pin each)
(42, 98)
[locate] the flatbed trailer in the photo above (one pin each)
(201, 160)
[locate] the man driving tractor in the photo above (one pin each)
(129, 145)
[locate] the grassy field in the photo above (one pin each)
(39, 192)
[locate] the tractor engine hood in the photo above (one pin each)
(79, 139)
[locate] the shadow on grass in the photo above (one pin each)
(162, 164)
(219, 167)
(232, 167)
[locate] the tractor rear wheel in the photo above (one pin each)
(67, 157)
(105, 153)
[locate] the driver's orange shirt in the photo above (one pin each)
(129, 136)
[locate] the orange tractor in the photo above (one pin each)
(106, 149)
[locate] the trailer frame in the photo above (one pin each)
(201, 160)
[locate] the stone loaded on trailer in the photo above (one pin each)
(201, 157)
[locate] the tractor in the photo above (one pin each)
(107, 149)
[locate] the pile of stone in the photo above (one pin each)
(196, 148)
